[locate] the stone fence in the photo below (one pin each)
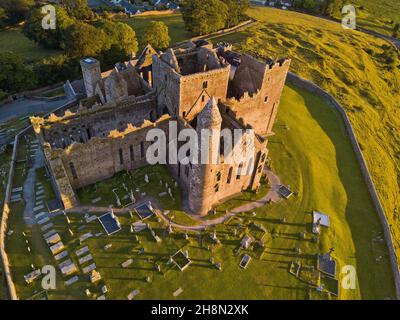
(309, 86)
(6, 207)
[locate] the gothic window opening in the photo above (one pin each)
(131, 152)
(229, 175)
(141, 150)
(73, 171)
(121, 157)
(239, 172)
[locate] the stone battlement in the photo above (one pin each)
(199, 86)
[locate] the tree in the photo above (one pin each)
(236, 9)
(310, 5)
(48, 38)
(120, 42)
(84, 40)
(157, 35)
(56, 69)
(120, 35)
(204, 16)
(3, 18)
(14, 75)
(396, 30)
(16, 10)
(79, 9)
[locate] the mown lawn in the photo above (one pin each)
(13, 40)
(361, 71)
(311, 153)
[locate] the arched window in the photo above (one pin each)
(121, 157)
(229, 175)
(131, 153)
(239, 172)
(73, 171)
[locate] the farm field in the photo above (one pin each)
(362, 72)
(330, 182)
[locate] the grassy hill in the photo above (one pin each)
(380, 16)
(361, 71)
(14, 40)
(310, 152)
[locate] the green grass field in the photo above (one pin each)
(13, 40)
(359, 70)
(380, 16)
(176, 27)
(329, 181)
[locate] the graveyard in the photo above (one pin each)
(132, 251)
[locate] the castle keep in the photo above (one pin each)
(195, 85)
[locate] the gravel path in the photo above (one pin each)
(29, 187)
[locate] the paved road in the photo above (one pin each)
(23, 107)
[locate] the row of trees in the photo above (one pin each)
(206, 16)
(314, 6)
(14, 11)
(77, 34)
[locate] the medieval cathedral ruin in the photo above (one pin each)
(198, 86)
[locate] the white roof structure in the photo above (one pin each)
(322, 217)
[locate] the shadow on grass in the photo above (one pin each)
(358, 199)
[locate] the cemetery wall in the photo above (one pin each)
(6, 208)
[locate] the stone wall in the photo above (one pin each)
(6, 208)
(197, 89)
(259, 103)
(98, 122)
(309, 86)
(102, 158)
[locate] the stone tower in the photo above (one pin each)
(203, 175)
(91, 75)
